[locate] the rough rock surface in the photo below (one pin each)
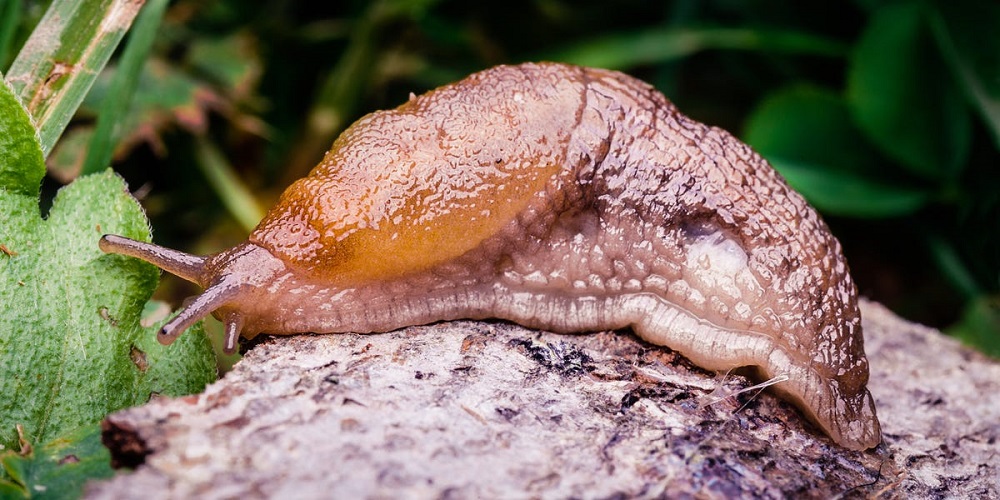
(493, 410)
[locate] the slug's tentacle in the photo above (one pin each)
(189, 267)
(234, 323)
(226, 276)
(184, 265)
(211, 299)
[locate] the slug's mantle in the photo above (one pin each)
(561, 198)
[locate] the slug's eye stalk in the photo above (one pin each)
(180, 264)
(190, 267)
(213, 298)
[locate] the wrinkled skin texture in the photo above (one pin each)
(562, 198)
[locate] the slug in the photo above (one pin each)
(561, 198)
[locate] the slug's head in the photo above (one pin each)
(236, 276)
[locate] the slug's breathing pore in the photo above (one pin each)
(561, 198)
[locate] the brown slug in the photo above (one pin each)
(561, 198)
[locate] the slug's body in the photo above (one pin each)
(562, 198)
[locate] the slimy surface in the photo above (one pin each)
(562, 198)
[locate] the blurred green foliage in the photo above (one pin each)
(885, 114)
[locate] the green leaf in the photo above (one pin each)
(903, 97)
(811, 125)
(66, 160)
(58, 469)
(950, 263)
(848, 193)
(59, 62)
(807, 134)
(19, 146)
(658, 45)
(166, 98)
(231, 62)
(184, 367)
(967, 32)
(69, 328)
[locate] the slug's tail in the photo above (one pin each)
(191, 268)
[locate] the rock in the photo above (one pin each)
(494, 410)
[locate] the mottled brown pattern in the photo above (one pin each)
(562, 198)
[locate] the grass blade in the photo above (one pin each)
(968, 39)
(10, 18)
(234, 194)
(62, 57)
(339, 93)
(659, 45)
(126, 79)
